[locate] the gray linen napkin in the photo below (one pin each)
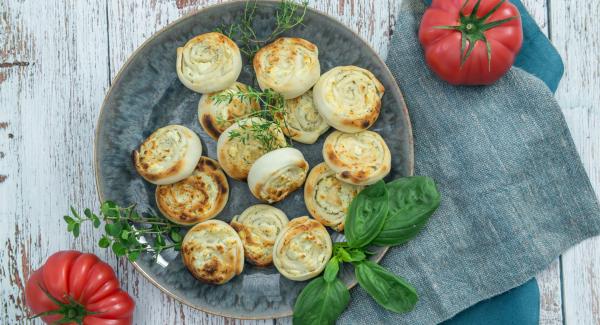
(514, 192)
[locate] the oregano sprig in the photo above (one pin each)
(126, 232)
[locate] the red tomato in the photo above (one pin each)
(78, 288)
(471, 42)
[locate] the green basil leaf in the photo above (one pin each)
(390, 291)
(412, 200)
(366, 215)
(356, 255)
(321, 302)
(332, 269)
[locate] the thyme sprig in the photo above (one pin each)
(128, 233)
(289, 15)
(272, 112)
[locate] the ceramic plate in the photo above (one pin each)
(146, 95)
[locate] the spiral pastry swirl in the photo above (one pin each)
(168, 155)
(302, 249)
(301, 120)
(258, 227)
(237, 154)
(289, 66)
(360, 158)
(327, 198)
(199, 197)
(349, 98)
(213, 252)
(208, 63)
(216, 117)
(277, 174)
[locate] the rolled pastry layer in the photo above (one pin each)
(258, 227)
(277, 174)
(327, 198)
(301, 120)
(289, 66)
(215, 116)
(357, 158)
(238, 147)
(302, 249)
(213, 252)
(208, 63)
(168, 155)
(349, 98)
(197, 198)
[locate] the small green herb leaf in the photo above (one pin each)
(321, 302)
(176, 236)
(119, 249)
(366, 215)
(332, 269)
(76, 230)
(133, 256)
(113, 229)
(390, 291)
(104, 242)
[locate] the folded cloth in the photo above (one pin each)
(514, 192)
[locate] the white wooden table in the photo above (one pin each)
(57, 59)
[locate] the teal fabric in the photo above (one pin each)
(514, 192)
(520, 305)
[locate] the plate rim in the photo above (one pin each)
(118, 76)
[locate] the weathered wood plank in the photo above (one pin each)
(575, 31)
(53, 75)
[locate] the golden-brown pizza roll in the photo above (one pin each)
(238, 147)
(168, 155)
(327, 198)
(215, 116)
(349, 98)
(302, 249)
(199, 197)
(277, 174)
(289, 66)
(360, 158)
(213, 252)
(258, 227)
(209, 62)
(301, 120)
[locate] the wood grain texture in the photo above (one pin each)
(575, 31)
(56, 62)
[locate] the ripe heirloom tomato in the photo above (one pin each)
(77, 288)
(471, 42)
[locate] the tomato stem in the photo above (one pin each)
(472, 30)
(72, 312)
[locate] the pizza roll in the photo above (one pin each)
(208, 63)
(327, 198)
(349, 98)
(302, 249)
(168, 155)
(289, 66)
(277, 174)
(301, 121)
(199, 197)
(360, 158)
(213, 252)
(258, 227)
(238, 147)
(215, 116)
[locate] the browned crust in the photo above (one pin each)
(276, 195)
(218, 37)
(275, 46)
(210, 126)
(316, 174)
(298, 226)
(141, 168)
(213, 271)
(246, 236)
(182, 216)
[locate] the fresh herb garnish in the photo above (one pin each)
(408, 203)
(272, 113)
(289, 15)
(126, 232)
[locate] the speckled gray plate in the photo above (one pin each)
(146, 95)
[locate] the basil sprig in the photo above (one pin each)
(411, 201)
(381, 214)
(366, 215)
